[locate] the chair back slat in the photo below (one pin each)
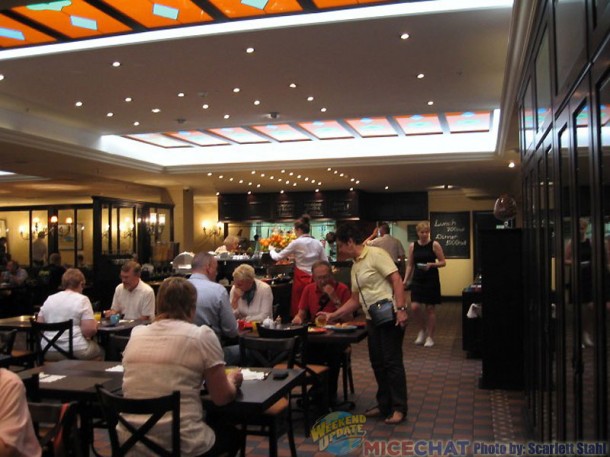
(266, 352)
(114, 407)
(299, 332)
(7, 341)
(46, 339)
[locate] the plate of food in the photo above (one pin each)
(316, 330)
(342, 328)
(359, 324)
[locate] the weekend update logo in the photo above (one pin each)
(339, 432)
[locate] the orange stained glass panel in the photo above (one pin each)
(73, 18)
(469, 121)
(334, 3)
(13, 33)
(419, 124)
(163, 13)
(247, 8)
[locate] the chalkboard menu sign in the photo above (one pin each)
(452, 231)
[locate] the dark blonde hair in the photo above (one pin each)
(422, 225)
(303, 224)
(176, 299)
(244, 271)
(72, 278)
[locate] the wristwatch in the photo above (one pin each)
(402, 308)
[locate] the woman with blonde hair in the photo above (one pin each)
(422, 279)
(251, 299)
(230, 245)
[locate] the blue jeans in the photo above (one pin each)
(385, 353)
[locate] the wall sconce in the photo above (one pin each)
(211, 231)
(155, 224)
(35, 228)
(127, 228)
(106, 231)
(64, 230)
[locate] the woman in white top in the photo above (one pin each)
(306, 251)
(251, 299)
(72, 304)
(174, 354)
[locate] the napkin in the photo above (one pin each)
(474, 311)
(116, 368)
(43, 377)
(250, 375)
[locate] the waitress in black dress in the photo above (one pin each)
(425, 258)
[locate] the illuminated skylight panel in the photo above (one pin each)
(158, 139)
(420, 124)
(372, 126)
(75, 18)
(326, 130)
(282, 132)
(13, 33)
(154, 14)
(239, 135)
(247, 8)
(198, 138)
(469, 121)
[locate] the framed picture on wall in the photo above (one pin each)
(67, 232)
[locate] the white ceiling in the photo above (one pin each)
(354, 69)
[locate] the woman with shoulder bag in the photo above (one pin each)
(377, 288)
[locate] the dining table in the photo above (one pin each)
(21, 324)
(75, 380)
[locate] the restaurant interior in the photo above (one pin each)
(127, 133)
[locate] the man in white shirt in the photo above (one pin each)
(39, 250)
(133, 297)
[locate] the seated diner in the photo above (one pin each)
(251, 299)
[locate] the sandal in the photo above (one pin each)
(396, 418)
(373, 412)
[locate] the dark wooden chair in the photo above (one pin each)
(7, 341)
(116, 346)
(56, 425)
(347, 375)
(18, 357)
(46, 336)
(316, 376)
(114, 408)
(269, 352)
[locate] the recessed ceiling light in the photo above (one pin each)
(511, 164)
(430, 103)
(404, 36)
(109, 114)
(217, 194)
(241, 181)
(329, 169)
(290, 174)
(420, 76)
(351, 189)
(299, 176)
(116, 64)
(250, 183)
(253, 172)
(317, 190)
(310, 99)
(206, 106)
(78, 104)
(258, 185)
(128, 99)
(323, 110)
(227, 116)
(294, 184)
(136, 123)
(358, 182)
(279, 179)
(156, 110)
(319, 183)
(262, 175)
(387, 187)
(236, 90)
(1, 77)
(293, 85)
(306, 178)
(257, 102)
(352, 180)
(249, 192)
(282, 171)
(282, 191)
(249, 50)
(271, 177)
(231, 179)
(335, 172)
(221, 176)
(341, 174)
(180, 94)
(209, 173)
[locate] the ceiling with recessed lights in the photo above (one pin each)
(210, 95)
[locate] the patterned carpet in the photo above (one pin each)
(447, 410)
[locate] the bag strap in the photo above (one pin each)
(360, 290)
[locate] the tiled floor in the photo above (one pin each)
(445, 403)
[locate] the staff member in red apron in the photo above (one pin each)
(306, 250)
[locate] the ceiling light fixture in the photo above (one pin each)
(293, 85)
(128, 99)
(78, 104)
(430, 103)
(323, 110)
(420, 76)
(404, 36)
(180, 94)
(387, 187)
(109, 114)
(156, 110)
(351, 189)
(250, 50)
(1, 76)
(227, 116)
(136, 123)
(206, 106)
(511, 164)
(116, 64)
(257, 102)
(236, 90)
(209, 173)
(310, 99)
